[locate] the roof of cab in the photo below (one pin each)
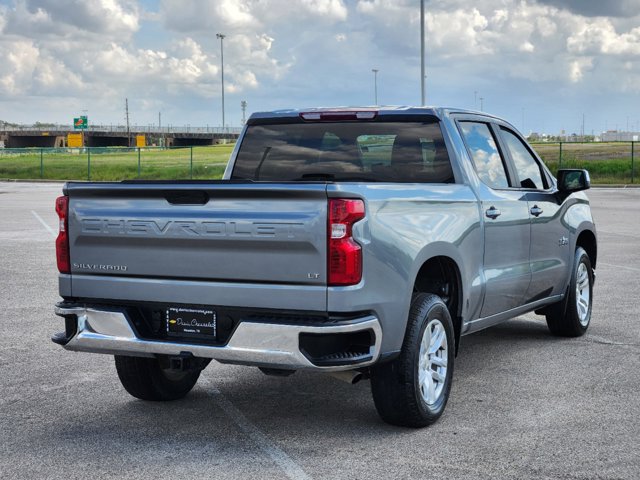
(438, 112)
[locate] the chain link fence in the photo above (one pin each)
(607, 163)
(114, 163)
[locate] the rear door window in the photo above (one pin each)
(344, 151)
(484, 153)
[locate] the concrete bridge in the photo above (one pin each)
(115, 135)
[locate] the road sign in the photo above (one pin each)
(80, 123)
(74, 140)
(141, 141)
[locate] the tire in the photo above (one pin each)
(571, 316)
(396, 386)
(144, 379)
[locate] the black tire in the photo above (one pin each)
(143, 378)
(566, 319)
(395, 385)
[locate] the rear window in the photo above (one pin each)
(344, 151)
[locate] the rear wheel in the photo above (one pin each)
(413, 389)
(144, 378)
(571, 317)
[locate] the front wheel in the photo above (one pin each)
(413, 389)
(571, 317)
(144, 378)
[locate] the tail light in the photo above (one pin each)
(62, 242)
(345, 254)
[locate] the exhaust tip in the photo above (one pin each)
(350, 376)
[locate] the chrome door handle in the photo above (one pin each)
(535, 210)
(493, 213)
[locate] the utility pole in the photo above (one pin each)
(482, 104)
(221, 37)
(475, 99)
(126, 110)
(243, 106)
(422, 68)
(375, 85)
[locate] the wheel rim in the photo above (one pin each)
(583, 294)
(432, 369)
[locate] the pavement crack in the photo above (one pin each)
(605, 341)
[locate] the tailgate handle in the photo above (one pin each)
(183, 197)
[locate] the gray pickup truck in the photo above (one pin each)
(362, 242)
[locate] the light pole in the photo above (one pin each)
(375, 85)
(422, 72)
(243, 106)
(482, 104)
(221, 37)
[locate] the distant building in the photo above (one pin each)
(617, 136)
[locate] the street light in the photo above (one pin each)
(221, 37)
(375, 85)
(243, 106)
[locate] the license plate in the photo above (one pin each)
(191, 321)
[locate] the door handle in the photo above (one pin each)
(535, 210)
(493, 213)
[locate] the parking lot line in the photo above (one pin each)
(291, 469)
(619, 266)
(44, 224)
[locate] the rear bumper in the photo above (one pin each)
(261, 344)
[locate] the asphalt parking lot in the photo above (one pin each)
(523, 404)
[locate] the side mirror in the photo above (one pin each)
(573, 180)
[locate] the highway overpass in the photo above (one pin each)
(114, 136)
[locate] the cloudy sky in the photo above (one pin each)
(541, 64)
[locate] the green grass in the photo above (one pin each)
(608, 163)
(115, 163)
(612, 171)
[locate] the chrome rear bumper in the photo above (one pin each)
(260, 344)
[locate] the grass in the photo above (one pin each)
(608, 163)
(116, 163)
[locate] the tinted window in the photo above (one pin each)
(526, 165)
(368, 151)
(484, 153)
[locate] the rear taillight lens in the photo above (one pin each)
(62, 242)
(345, 254)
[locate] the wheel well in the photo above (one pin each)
(587, 240)
(441, 276)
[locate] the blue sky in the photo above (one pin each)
(540, 64)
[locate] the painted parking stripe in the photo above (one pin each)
(291, 469)
(44, 224)
(619, 266)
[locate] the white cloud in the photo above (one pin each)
(578, 67)
(281, 53)
(42, 18)
(600, 37)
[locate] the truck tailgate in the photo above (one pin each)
(215, 231)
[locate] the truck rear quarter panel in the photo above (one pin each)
(406, 225)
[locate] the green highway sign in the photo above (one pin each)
(80, 123)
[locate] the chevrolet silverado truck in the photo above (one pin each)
(358, 241)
